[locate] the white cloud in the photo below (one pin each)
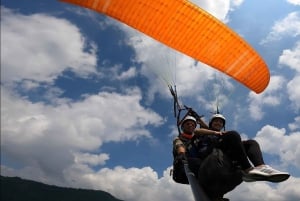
(295, 2)
(295, 125)
(293, 88)
(90, 159)
(131, 72)
(275, 141)
(286, 191)
(45, 137)
(289, 26)
(45, 140)
(291, 57)
(270, 97)
(40, 47)
(141, 183)
(218, 8)
(144, 184)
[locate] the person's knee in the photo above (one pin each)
(233, 136)
(253, 143)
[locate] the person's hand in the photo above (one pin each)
(181, 157)
(219, 133)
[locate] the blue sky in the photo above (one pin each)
(84, 104)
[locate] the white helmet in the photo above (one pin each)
(215, 116)
(189, 118)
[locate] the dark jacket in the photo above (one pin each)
(216, 173)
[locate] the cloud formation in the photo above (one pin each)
(40, 47)
(59, 142)
(269, 97)
(286, 27)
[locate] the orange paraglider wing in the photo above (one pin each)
(189, 29)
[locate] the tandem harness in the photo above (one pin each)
(189, 177)
(178, 108)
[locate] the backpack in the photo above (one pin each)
(178, 172)
(218, 174)
(197, 149)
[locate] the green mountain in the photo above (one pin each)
(17, 189)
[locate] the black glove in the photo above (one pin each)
(193, 114)
(180, 158)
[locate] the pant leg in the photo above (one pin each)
(231, 144)
(253, 152)
(217, 174)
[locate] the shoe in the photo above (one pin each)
(221, 199)
(265, 173)
(247, 177)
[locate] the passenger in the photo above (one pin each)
(197, 145)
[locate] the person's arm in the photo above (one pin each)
(178, 146)
(204, 131)
(179, 151)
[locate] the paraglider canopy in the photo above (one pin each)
(189, 29)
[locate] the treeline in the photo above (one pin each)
(17, 189)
